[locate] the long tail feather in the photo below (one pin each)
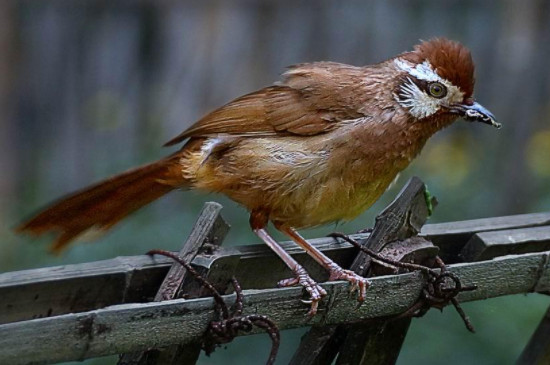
(102, 205)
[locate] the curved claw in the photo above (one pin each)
(315, 291)
(313, 310)
(357, 282)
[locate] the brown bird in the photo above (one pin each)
(320, 146)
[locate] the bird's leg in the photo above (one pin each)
(315, 291)
(336, 272)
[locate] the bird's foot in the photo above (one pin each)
(315, 291)
(358, 282)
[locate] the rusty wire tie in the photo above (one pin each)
(226, 328)
(436, 293)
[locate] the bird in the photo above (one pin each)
(317, 147)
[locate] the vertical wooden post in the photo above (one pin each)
(210, 228)
(537, 350)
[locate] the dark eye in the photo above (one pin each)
(437, 90)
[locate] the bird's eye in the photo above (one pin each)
(437, 90)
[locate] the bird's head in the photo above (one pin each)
(437, 81)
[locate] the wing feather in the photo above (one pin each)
(307, 102)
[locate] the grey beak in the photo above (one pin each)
(475, 113)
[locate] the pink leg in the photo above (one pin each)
(336, 272)
(315, 291)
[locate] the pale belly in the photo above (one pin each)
(337, 200)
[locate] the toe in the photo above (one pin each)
(288, 282)
(358, 283)
(314, 290)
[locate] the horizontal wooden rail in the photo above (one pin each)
(58, 290)
(133, 327)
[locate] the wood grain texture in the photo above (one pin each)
(133, 327)
(202, 232)
(537, 350)
(380, 343)
(403, 218)
(210, 228)
(452, 236)
(58, 290)
(485, 245)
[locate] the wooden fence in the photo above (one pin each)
(115, 306)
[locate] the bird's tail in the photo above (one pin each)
(102, 205)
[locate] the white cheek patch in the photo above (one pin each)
(419, 103)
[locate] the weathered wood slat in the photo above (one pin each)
(403, 218)
(472, 226)
(210, 228)
(485, 245)
(74, 288)
(379, 343)
(133, 327)
(537, 350)
(452, 236)
(203, 232)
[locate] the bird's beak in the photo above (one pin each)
(475, 113)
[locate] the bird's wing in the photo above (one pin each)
(307, 102)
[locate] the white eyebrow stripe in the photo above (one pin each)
(423, 71)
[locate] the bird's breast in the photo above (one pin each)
(300, 181)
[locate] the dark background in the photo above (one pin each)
(90, 88)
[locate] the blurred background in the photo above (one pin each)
(91, 88)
